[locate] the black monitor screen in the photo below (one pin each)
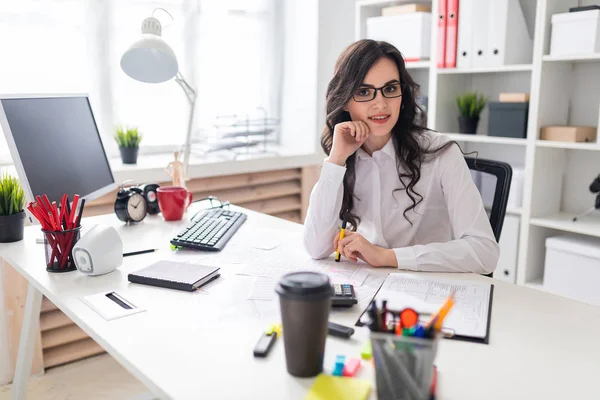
(59, 145)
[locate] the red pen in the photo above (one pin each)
(433, 384)
(71, 220)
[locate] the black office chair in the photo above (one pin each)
(492, 179)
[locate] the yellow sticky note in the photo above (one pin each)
(327, 387)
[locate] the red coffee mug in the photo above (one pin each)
(173, 201)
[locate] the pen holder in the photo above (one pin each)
(58, 246)
(403, 366)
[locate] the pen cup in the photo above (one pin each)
(403, 366)
(58, 246)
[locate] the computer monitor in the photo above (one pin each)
(55, 146)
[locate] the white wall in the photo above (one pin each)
(298, 117)
(336, 32)
(316, 32)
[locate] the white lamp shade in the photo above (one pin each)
(150, 60)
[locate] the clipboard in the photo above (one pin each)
(482, 340)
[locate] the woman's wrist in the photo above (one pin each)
(387, 258)
(335, 159)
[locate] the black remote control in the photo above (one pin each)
(340, 330)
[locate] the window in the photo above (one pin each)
(225, 49)
(43, 50)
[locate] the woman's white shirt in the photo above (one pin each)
(450, 229)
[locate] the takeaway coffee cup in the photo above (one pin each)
(305, 300)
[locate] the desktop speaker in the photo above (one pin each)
(99, 251)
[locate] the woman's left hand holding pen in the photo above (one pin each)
(354, 246)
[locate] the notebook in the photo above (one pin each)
(175, 275)
(327, 387)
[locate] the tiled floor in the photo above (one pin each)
(96, 378)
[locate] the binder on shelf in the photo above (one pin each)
(506, 269)
(441, 43)
(507, 45)
(451, 33)
(465, 33)
(479, 34)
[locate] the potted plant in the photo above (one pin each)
(470, 105)
(12, 214)
(128, 140)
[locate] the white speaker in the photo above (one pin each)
(99, 251)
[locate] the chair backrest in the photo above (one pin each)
(492, 179)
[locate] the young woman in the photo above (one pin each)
(406, 192)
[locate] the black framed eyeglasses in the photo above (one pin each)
(364, 94)
(209, 203)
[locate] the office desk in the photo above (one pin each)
(199, 345)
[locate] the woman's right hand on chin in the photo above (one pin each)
(347, 138)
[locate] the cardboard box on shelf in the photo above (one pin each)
(514, 97)
(563, 133)
(404, 9)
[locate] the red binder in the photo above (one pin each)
(451, 33)
(441, 45)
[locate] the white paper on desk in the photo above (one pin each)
(108, 308)
(265, 239)
(468, 317)
(263, 288)
(263, 243)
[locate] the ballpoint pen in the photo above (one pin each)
(135, 253)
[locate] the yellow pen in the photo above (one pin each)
(438, 319)
(342, 231)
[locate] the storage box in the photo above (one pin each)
(508, 119)
(563, 133)
(575, 33)
(410, 33)
(572, 268)
(514, 97)
(404, 9)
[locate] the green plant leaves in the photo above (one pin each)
(127, 137)
(12, 197)
(470, 104)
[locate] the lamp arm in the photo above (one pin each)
(191, 96)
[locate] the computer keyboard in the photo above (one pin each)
(211, 231)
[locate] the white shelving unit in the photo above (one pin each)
(461, 137)
(417, 65)
(563, 91)
(491, 70)
(582, 58)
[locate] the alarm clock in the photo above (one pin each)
(130, 205)
(149, 192)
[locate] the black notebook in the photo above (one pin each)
(175, 275)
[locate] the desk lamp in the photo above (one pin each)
(152, 60)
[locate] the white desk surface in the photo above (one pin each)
(199, 345)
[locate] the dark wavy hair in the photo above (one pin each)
(350, 70)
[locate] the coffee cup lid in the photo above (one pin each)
(304, 284)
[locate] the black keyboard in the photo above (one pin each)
(211, 231)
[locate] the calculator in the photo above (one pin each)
(343, 295)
